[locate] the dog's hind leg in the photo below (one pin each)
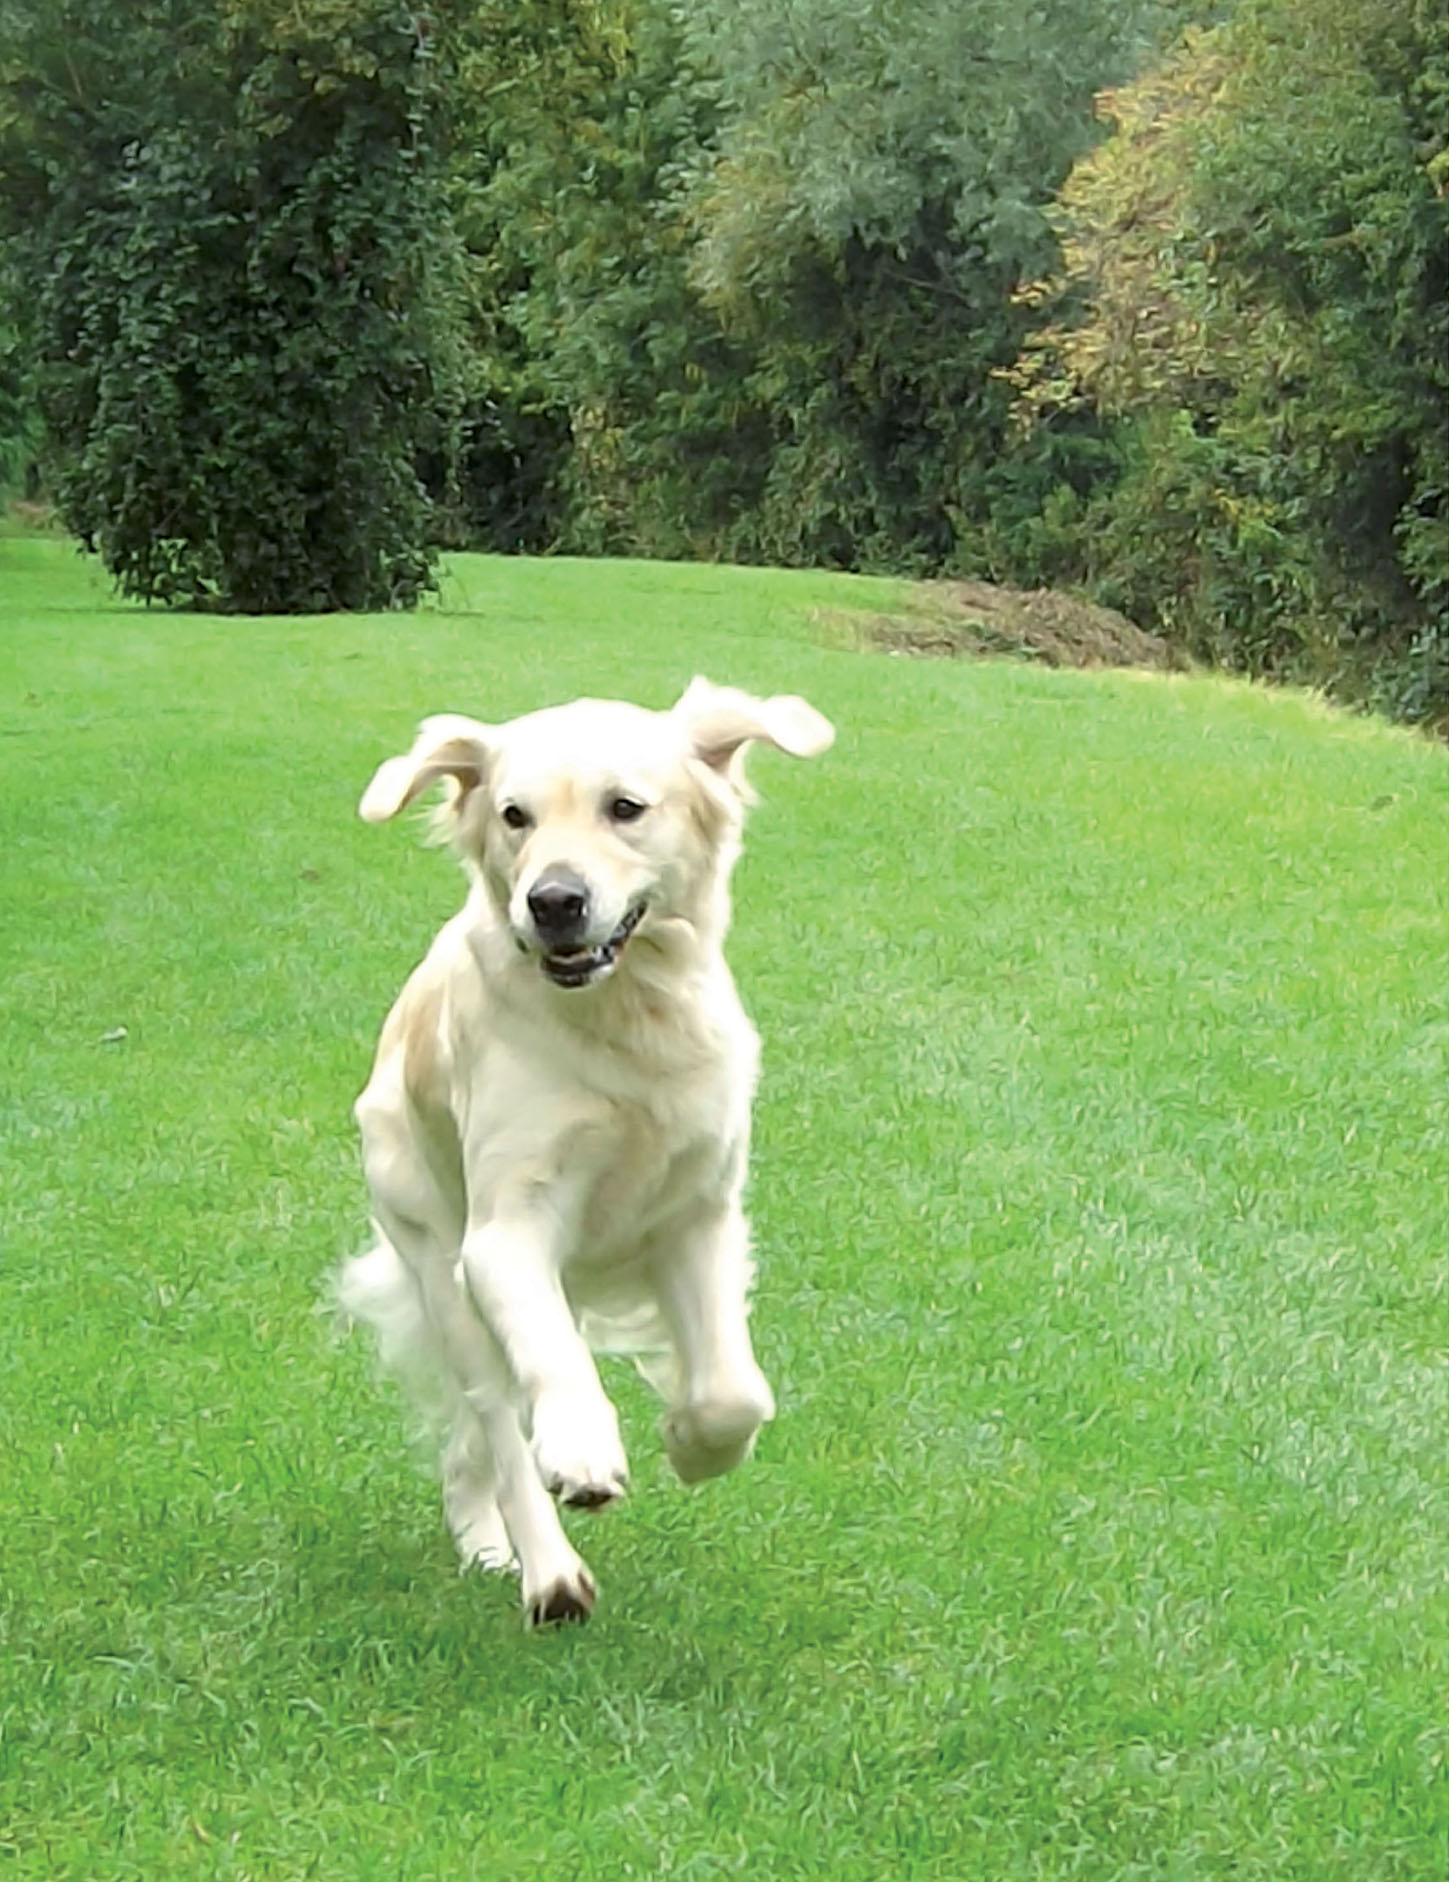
(470, 1496)
(382, 1290)
(557, 1585)
(422, 1221)
(494, 1458)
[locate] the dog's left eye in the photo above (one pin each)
(626, 809)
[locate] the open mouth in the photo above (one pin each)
(580, 967)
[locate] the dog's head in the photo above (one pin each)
(596, 824)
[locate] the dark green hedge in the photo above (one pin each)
(245, 295)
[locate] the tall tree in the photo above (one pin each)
(760, 256)
(243, 315)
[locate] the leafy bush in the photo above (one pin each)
(245, 324)
(1254, 287)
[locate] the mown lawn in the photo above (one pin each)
(1102, 1199)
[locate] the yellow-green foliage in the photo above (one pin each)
(1253, 278)
(1118, 215)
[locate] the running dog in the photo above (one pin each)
(556, 1128)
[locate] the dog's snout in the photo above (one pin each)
(559, 905)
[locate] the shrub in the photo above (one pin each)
(245, 332)
(1254, 288)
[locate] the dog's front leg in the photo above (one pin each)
(722, 1398)
(511, 1265)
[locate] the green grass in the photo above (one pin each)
(1100, 1195)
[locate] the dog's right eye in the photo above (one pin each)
(515, 818)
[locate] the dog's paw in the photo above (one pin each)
(568, 1599)
(482, 1541)
(578, 1453)
(709, 1438)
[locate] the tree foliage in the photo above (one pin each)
(755, 260)
(1254, 290)
(242, 307)
(307, 287)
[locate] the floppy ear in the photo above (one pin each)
(448, 746)
(718, 720)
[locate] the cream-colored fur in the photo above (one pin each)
(555, 1131)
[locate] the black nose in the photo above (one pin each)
(559, 904)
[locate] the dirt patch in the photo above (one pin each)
(974, 620)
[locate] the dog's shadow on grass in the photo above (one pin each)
(677, 1623)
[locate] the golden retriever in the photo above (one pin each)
(556, 1127)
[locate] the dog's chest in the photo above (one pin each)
(646, 1169)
